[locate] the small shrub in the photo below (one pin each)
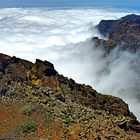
(27, 126)
(26, 110)
(65, 87)
(67, 119)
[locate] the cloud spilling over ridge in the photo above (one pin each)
(64, 38)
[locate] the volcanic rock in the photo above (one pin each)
(124, 32)
(58, 102)
(20, 73)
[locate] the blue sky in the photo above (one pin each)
(129, 4)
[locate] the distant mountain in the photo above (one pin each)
(124, 32)
(59, 107)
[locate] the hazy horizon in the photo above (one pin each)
(131, 4)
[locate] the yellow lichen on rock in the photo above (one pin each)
(36, 81)
(33, 78)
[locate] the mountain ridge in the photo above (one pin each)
(123, 32)
(23, 82)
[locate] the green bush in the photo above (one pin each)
(27, 126)
(67, 119)
(65, 87)
(26, 110)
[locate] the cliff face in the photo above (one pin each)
(62, 108)
(124, 32)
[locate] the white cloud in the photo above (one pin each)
(63, 37)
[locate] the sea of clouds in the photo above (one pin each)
(63, 36)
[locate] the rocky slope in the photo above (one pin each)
(124, 32)
(60, 107)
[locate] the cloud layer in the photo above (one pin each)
(64, 38)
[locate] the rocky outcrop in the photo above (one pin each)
(43, 74)
(124, 32)
(23, 79)
(45, 68)
(65, 102)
